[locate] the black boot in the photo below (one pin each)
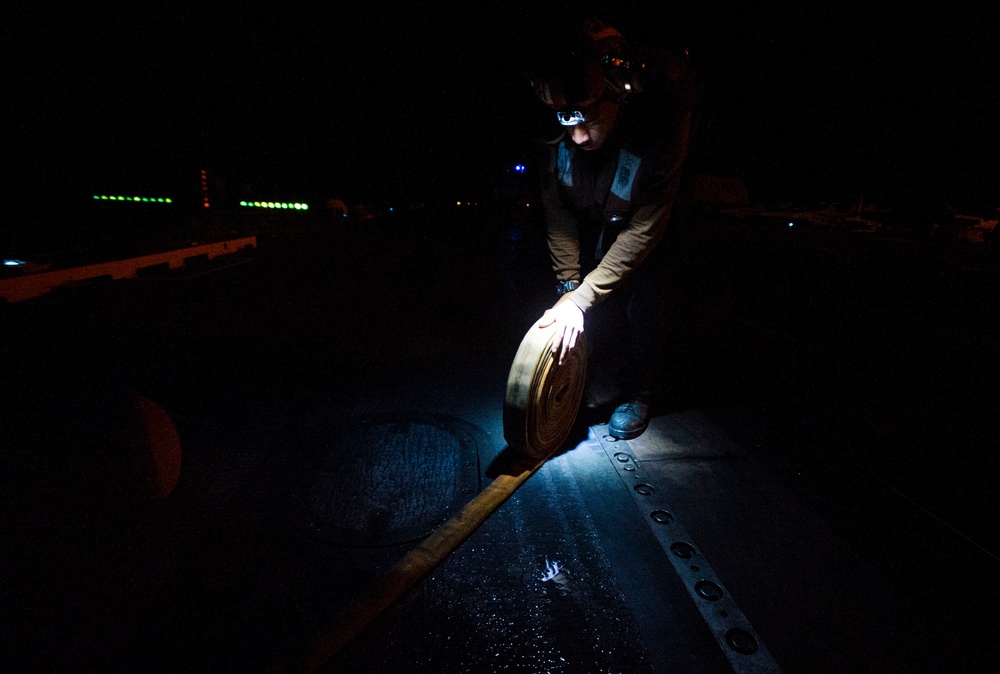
(629, 420)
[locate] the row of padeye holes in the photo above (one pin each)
(738, 639)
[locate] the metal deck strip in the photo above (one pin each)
(735, 635)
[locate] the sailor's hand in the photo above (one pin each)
(569, 324)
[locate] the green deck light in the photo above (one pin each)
(283, 205)
(150, 200)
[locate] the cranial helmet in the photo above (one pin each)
(580, 66)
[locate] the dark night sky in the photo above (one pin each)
(817, 101)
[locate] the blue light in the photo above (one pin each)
(13, 263)
(519, 168)
(791, 224)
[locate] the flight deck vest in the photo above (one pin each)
(597, 195)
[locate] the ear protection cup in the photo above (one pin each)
(612, 50)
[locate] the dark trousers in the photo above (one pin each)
(627, 331)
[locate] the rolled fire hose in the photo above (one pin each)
(540, 407)
(543, 396)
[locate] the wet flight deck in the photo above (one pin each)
(817, 495)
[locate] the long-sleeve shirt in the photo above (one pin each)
(594, 235)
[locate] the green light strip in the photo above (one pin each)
(275, 204)
(150, 200)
